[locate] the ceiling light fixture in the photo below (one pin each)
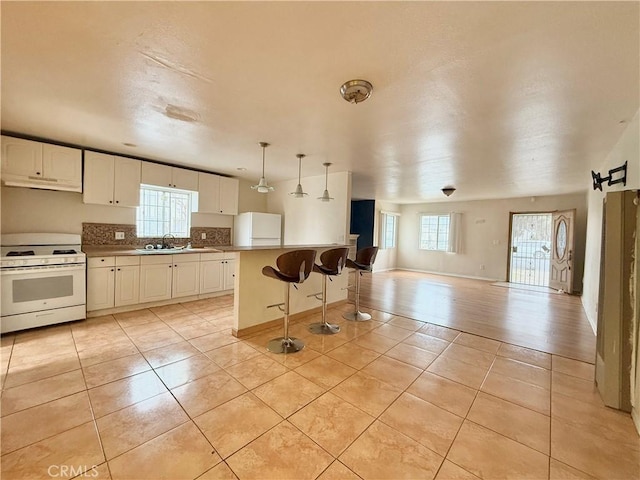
(299, 193)
(325, 195)
(448, 191)
(263, 186)
(356, 91)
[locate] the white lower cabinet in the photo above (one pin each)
(155, 278)
(112, 282)
(130, 280)
(217, 272)
(127, 288)
(100, 283)
(186, 275)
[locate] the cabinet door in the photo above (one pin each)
(126, 186)
(186, 279)
(100, 288)
(155, 282)
(22, 158)
(156, 174)
(211, 276)
(63, 164)
(98, 178)
(208, 193)
(229, 274)
(229, 196)
(185, 179)
(127, 288)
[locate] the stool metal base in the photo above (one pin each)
(321, 328)
(285, 345)
(357, 316)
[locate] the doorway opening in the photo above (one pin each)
(530, 248)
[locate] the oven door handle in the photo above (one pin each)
(74, 267)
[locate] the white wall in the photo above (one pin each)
(308, 220)
(484, 235)
(626, 149)
(386, 258)
(250, 200)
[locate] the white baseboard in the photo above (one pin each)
(450, 274)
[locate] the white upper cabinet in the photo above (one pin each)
(229, 195)
(217, 194)
(111, 180)
(26, 163)
(166, 176)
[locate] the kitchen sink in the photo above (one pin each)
(158, 251)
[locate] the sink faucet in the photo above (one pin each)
(165, 243)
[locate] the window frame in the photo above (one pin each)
(384, 216)
(191, 203)
(442, 240)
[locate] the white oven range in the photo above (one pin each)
(43, 280)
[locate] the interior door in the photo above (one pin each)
(561, 277)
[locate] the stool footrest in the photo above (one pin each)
(279, 305)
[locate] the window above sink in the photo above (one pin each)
(165, 211)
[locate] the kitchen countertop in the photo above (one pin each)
(125, 250)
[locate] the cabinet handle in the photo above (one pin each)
(118, 269)
(169, 266)
(102, 259)
(112, 269)
(117, 201)
(110, 201)
(176, 266)
(37, 173)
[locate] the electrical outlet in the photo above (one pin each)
(203, 236)
(481, 266)
(119, 235)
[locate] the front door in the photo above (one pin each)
(562, 252)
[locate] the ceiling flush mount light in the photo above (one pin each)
(299, 193)
(356, 91)
(448, 191)
(325, 195)
(263, 186)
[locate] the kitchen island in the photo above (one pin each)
(254, 292)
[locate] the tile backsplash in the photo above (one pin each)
(105, 234)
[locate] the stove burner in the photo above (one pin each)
(64, 252)
(23, 253)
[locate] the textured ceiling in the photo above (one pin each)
(498, 99)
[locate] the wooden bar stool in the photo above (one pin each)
(363, 263)
(293, 267)
(332, 263)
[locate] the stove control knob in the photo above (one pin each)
(45, 260)
(23, 262)
(11, 263)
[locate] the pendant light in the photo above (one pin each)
(325, 195)
(263, 186)
(299, 193)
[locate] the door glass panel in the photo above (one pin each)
(561, 239)
(31, 289)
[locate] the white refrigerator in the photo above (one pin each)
(257, 229)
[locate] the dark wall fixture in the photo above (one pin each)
(622, 178)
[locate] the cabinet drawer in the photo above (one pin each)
(186, 257)
(204, 257)
(126, 261)
(94, 262)
(156, 260)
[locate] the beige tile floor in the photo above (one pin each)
(169, 393)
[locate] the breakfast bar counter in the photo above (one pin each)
(254, 292)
